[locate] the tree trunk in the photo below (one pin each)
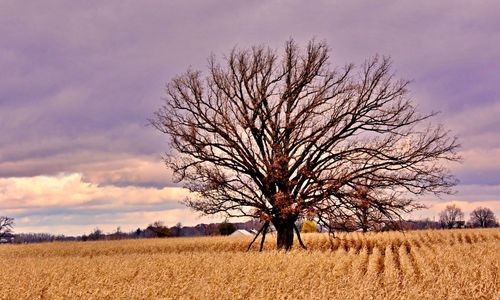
(285, 234)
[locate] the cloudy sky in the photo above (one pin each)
(79, 80)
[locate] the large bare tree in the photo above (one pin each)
(284, 137)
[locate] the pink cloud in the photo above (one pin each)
(72, 190)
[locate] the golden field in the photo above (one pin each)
(449, 264)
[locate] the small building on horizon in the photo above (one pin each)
(241, 232)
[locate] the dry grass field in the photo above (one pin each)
(455, 264)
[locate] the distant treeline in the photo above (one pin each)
(159, 230)
(154, 230)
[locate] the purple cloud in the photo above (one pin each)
(79, 80)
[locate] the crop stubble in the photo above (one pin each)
(449, 264)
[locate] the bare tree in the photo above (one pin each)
(6, 225)
(483, 217)
(452, 216)
(280, 138)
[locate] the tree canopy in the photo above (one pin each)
(452, 216)
(483, 217)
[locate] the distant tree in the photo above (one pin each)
(483, 217)
(177, 229)
(157, 224)
(278, 137)
(309, 227)
(211, 229)
(138, 232)
(118, 234)
(6, 226)
(35, 237)
(158, 229)
(426, 223)
(452, 216)
(96, 235)
(226, 228)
